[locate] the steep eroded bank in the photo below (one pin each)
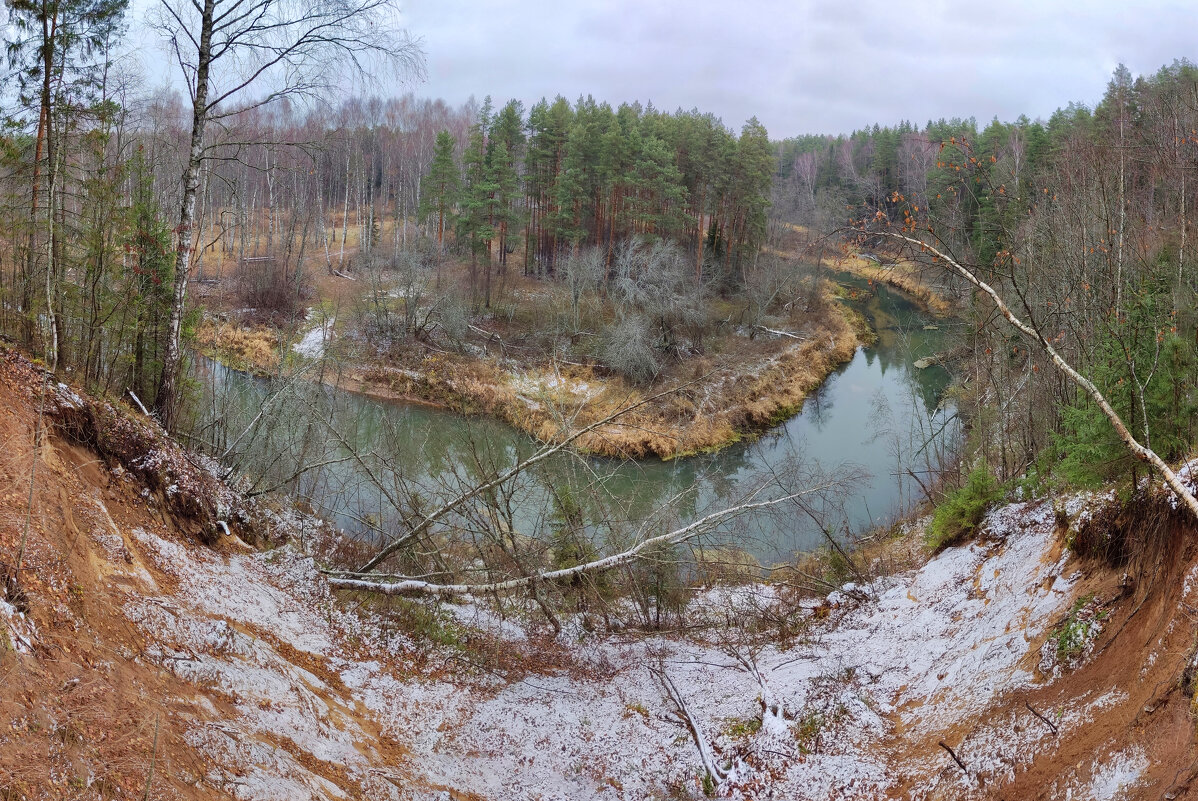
(143, 639)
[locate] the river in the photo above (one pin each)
(878, 417)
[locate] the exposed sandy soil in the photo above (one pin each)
(135, 616)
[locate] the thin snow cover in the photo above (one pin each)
(69, 398)
(1188, 475)
(932, 648)
(534, 387)
(1113, 777)
(824, 702)
(947, 638)
(1191, 583)
(937, 645)
(254, 627)
(20, 630)
(313, 343)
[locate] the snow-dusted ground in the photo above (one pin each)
(534, 388)
(925, 653)
(312, 344)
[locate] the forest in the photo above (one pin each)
(1081, 222)
(360, 443)
(93, 177)
(573, 263)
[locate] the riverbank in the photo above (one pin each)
(748, 381)
(145, 655)
(898, 272)
(720, 399)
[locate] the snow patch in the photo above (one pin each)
(20, 629)
(935, 646)
(1188, 475)
(312, 344)
(1113, 777)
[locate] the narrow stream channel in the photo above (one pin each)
(878, 416)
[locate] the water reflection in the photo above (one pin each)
(878, 415)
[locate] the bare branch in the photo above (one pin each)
(675, 537)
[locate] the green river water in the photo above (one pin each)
(877, 416)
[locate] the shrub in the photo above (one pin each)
(628, 350)
(274, 291)
(961, 512)
(1079, 629)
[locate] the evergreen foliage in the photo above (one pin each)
(961, 512)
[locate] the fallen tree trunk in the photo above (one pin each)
(1140, 451)
(357, 581)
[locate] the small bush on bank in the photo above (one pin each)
(962, 511)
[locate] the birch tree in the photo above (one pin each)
(1034, 331)
(238, 54)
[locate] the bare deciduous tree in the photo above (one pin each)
(236, 54)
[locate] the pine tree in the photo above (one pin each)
(475, 207)
(150, 271)
(442, 185)
(505, 188)
(754, 173)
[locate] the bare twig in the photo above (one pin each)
(519, 467)
(153, 760)
(956, 758)
(1047, 722)
(413, 586)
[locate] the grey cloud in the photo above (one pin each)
(824, 66)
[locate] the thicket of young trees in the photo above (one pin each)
(1082, 222)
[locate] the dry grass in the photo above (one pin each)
(901, 273)
(716, 400)
(254, 349)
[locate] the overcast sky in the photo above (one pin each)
(800, 66)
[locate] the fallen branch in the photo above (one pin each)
(140, 405)
(340, 274)
(717, 774)
(490, 335)
(778, 333)
(1047, 722)
(356, 581)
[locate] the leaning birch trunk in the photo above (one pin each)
(1140, 451)
(168, 386)
(407, 586)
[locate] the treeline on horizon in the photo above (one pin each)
(1084, 220)
(291, 187)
